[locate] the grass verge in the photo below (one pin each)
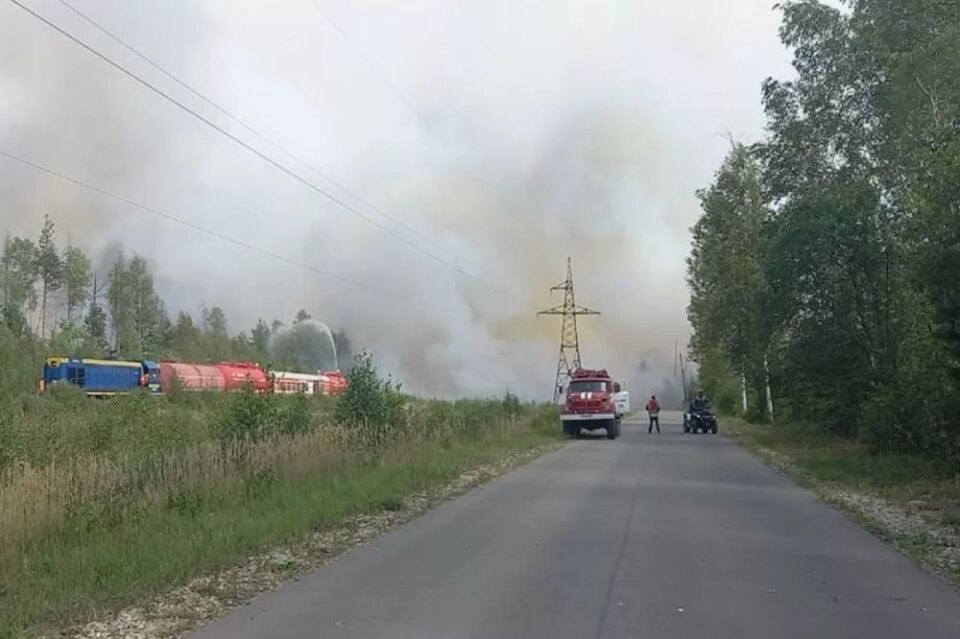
(911, 502)
(82, 572)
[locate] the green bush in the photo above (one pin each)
(186, 501)
(511, 404)
(22, 368)
(294, 414)
(374, 404)
(244, 414)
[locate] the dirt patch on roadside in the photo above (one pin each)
(205, 598)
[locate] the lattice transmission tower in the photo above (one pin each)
(569, 359)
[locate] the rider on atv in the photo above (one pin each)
(699, 404)
(700, 417)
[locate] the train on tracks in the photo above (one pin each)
(106, 377)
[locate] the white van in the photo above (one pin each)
(621, 397)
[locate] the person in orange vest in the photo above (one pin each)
(653, 410)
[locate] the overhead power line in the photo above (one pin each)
(207, 231)
(273, 143)
(260, 154)
(367, 59)
(380, 74)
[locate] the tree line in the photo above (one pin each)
(53, 299)
(826, 263)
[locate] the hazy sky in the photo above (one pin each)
(510, 135)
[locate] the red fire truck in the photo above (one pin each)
(589, 404)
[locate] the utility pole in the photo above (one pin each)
(679, 366)
(569, 359)
(683, 376)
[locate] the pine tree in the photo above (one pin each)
(147, 312)
(218, 340)
(185, 338)
(76, 280)
(260, 336)
(96, 324)
(121, 308)
(49, 267)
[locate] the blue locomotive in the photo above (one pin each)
(101, 377)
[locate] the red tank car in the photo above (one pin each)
(192, 377)
(237, 374)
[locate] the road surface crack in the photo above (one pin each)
(602, 622)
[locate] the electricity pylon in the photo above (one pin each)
(569, 359)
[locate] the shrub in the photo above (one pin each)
(243, 414)
(371, 403)
(511, 404)
(294, 414)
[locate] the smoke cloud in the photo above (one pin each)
(508, 136)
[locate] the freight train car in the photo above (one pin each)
(224, 376)
(111, 377)
(101, 377)
(285, 383)
(190, 377)
(236, 375)
(322, 383)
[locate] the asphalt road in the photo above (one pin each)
(649, 536)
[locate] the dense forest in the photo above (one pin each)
(54, 303)
(827, 257)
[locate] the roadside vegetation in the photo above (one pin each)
(825, 268)
(827, 258)
(107, 502)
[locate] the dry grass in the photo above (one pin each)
(35, 500)
(174, 613)
(99, 530)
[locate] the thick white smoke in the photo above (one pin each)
(512, 135)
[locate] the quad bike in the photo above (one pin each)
(704, 421)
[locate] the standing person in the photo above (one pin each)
(653, 410)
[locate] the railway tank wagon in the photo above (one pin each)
(191, 377)
(237, 375)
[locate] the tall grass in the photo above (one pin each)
(97, 490)
(106, 501)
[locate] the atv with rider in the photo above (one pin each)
(701, 417)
